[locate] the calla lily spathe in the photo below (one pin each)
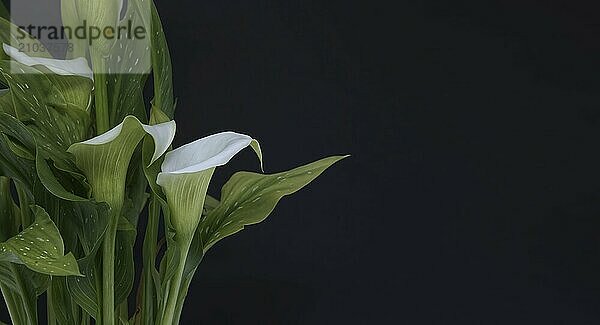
(74, 67)
(186, 174)
(105, 158)
(98, 13)
(162, 134)
(212, 151)
(187, 171)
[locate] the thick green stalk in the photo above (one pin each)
(185, 286)
(108, 271)
(98, 278)
(172, 297)
(108, 246)
(101, 93)
(149, 251)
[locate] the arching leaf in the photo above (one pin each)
(40, 247)
(249, 198)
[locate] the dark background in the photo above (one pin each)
(473, 193)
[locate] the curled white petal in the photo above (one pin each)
(106, 137)
(74, 67)
(212, 151)
(163, 135)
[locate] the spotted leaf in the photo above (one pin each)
(249, 198)
(40, 247)
(129, 66)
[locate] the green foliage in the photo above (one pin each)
(71, 196)
(3, 11)
(161, 66)
(40, 247)
(249, 198)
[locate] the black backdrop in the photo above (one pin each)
(473, 193)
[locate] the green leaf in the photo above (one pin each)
(84, 289)
(127, 97)
(40, 247)
(27, 285)
(11, 165)
(9, 215)
(53, 107)
(4, 12)
(61, 302)
(6, 276)
(210, 203)
(126, 89)
(66, 183)
(135, 190)
(8, 35)
(249, 198)
(52, 114)
(50, 180)
(6, 102)
(161, 66)
(124, 267)
(19, 134)
(19, 149)
(90, 221)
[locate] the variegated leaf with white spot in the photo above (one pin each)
(249, 198)
(40, 247)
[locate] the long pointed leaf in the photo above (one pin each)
(249, 198)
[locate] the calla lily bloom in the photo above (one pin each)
(100, 14)
(187, 171)
(186, 174)
(74, 67)
(105, 160)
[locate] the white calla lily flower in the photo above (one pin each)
(212, 151)
(105, 158)
(163, 135)
(187, 171)
(74, 67)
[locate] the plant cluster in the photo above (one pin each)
(82, 155)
